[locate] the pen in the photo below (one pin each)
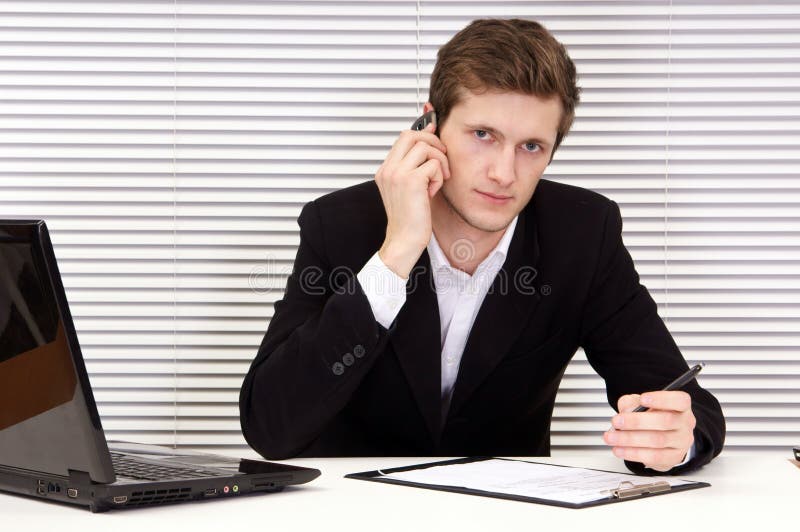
(678, 383)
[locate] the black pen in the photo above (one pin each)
(678, 383)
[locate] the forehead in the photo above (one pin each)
(514, 114)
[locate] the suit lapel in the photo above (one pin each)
(418, 345)
(504, 313)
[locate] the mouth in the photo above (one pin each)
(494, 198)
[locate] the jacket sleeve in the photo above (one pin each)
(321, 341)
(629, 346)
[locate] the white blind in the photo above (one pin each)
(171, 144)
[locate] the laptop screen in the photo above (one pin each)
(45, 422)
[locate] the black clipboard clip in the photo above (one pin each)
(627, 489)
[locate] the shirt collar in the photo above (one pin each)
(439, 260)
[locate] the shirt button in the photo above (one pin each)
(359, 351)
(348, 359)
(337, 368)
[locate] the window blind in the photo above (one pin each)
(170, 146)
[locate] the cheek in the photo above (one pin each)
(532, 168)
(462, 162)
(465, 147)
(467, 159)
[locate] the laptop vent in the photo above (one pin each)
(146, 498)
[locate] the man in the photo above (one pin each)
(434, 310)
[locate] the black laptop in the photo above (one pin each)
(52, 444)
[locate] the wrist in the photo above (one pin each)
(399, 259)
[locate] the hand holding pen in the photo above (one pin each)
(655, 428)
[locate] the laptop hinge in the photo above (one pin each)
(79, 478)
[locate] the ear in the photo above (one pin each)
(427, 108)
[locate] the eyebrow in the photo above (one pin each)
(496, 133)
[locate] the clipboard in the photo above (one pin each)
(636, 488)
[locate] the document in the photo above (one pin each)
(573, 487)
(541, 481)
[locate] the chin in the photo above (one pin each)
(477, 216)
(491, 226)
(490, 222)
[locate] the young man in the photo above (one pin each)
(433, 310)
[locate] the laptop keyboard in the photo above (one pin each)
(126, 466)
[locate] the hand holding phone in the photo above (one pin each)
(423, 121)
(412, 173)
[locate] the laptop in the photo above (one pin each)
(52, 444)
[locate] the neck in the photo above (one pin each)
(464, 245)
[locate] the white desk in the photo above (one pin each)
(755, 492)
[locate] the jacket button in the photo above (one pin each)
(348, 359)
(359, 351)
(337, 368)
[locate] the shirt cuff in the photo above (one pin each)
(385, 290)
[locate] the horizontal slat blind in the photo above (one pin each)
(170, 145)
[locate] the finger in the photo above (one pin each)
(437, 152)
(428, 135)
(676, 401)
(433, 188)
(408, 141)
(654, 439)
(409, 138)
(650, 420)
(435, 184)
(437, 143)
(626, 403)
(419, 154)
(433, 172)
(402, 145)
(658, 459)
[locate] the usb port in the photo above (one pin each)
(120, 499)
(210, 492)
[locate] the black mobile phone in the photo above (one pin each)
(423, 121)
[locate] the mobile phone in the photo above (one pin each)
(423, 121)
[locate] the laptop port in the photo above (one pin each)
(210, 492)
(120, 499)
(72, 493)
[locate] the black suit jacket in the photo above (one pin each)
(328, 380)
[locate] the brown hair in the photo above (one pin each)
(508, 55)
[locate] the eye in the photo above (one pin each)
(531, 147)
(481, 134)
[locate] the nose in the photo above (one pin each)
(502, 170)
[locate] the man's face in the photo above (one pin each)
(498, 144)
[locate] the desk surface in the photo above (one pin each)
(748, 491)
